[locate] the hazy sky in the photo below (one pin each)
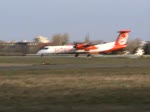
(25, 19)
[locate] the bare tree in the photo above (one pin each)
(87, 38)
(132, 45)
(56, 39)
(147, 48)
(65, 38)
(59, 39)
(98, 41)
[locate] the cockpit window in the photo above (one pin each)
(44, 48)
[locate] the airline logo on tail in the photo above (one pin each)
(122, 38)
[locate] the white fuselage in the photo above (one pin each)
(56, 49)
(72, 50)
(103, 47)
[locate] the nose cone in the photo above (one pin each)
(40, 52)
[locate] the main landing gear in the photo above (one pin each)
(76, 55)
(88, 55)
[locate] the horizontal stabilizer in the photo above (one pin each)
(124, 31)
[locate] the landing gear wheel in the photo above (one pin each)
(76, 55)
(88, 55)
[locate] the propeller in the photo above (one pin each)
(79, 45)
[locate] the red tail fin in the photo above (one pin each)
(122, 38)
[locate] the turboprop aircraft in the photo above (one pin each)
(83, 48)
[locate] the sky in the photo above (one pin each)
(100, 19)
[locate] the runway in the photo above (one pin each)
(71, 66)
(38, 65)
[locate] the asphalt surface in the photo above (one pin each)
(66, 66)
(71, 66)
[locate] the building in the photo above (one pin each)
(41, 39)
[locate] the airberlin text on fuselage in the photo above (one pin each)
(62, 50)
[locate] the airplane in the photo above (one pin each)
(83, 48)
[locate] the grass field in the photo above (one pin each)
(100, 89)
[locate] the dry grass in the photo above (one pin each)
(69, 81)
